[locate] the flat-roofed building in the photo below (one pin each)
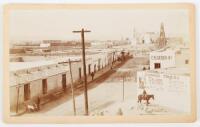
(170, 87)
(169, 57)
(162, 59)
(32, 79)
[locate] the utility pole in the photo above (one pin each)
(82, 31)
(113, 58)
(72, 88)
(123, 88)
(17, 106)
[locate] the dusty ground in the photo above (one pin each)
(106, 98)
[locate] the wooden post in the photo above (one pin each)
(17, 106)
(72, 88)
(84, 68)
(123, 89)
(113, 58)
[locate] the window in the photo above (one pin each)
(27, 92)
(44, 86)
(156, 65)
(186, 61)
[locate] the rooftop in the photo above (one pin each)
(15, 66)
(172, 70)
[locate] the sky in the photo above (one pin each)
(104, 24)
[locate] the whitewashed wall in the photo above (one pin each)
(36, 88)
(170, 90)
(181, 58)
(54, 82)
(165, 58)
(13, 97)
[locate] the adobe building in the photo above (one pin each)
(169, 57)
(44, 78)
(168, 78)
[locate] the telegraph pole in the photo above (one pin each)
(17, 106)
(72, 88)
(82, 31)
(123, 88)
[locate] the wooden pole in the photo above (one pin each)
(72, 88)
(113, 58)
(17, 106)
(123, 89)
(84, 68)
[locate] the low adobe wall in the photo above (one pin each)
(170, 90)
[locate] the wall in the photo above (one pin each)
(165, 58)
(181, 57)
(170, 90)
(36, 88)
(13, 97)
(53, 82)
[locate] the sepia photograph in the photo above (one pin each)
(103, 62)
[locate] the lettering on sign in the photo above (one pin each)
(161, 57)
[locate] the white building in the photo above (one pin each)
(170, 87)
(144, 38)
(33, 79)
(44, 45)
(168, 78)
(169, 57)
(163, 58)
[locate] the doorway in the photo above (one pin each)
(64, 82)
(44, 86)
(156, 65)
(27, 92)
(79, 72)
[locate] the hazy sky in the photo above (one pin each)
(104, 24)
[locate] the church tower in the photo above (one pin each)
(134, 38)
(162, 39)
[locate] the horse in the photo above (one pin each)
(146, 97)
(31, 107)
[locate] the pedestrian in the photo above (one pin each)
(92, 74)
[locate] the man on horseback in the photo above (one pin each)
(144, 93)
(144, 96)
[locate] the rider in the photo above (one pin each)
(144, 93)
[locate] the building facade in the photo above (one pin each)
(30, 80)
